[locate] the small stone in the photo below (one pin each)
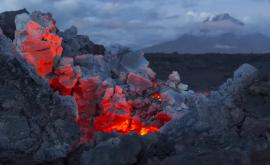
(134, 61)
(179, 108)
(139, 82)
(182, 87)
(66, 61)
(184, 106)
(171, 84)
(175, 77)
(169, 108)
(150, 72)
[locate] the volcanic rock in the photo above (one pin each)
(32, 120)
(95, 65)
(75, 44)
(138, 82)
(133, 61)
(224, 119)
(37, 42)
(114, 151)
(174, 81)
(7, 22)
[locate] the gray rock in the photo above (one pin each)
(7, 22)
(138, 83)
(134, 61)
(6, 48)
(116, 151)
(74, 44)
(95, 65)
(29, 115)
(245, 74)
(212, 158)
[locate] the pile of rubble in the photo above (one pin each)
(112, 92)
(65, 100)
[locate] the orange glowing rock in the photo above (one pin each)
(86, 98)
(163, 117)
(113, 111)
(156, 96)
(64, 80)
(67, 82)
(40, 48)
(147, 130)
(117, 115)
(139, 82)
(109, 122)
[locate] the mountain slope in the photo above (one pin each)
(224, 43)
(224, 17)
(218, 34)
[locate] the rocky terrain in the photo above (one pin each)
(196, 69)
(39, 120)
(34, 123)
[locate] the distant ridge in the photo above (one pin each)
(229, 39)
(223, 17)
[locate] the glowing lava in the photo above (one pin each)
(156, 96)
(69, 82)
(41, 47)
(117, 115)
(100, 107)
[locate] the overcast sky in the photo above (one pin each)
(140, 23)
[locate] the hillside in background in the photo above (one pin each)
(205, 72)
(218, 34)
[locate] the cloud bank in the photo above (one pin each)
(142, 23)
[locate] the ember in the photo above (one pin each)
(84, 92)
(101, 106)
(40, 48)
(156, 96)
(117, 115)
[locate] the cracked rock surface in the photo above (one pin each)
(34, 124)
(75, 44)
(231, 126)
(7, 23)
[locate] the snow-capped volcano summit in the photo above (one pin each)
(221, 33)
(223, 17)
(221, 23)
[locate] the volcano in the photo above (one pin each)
(220, 33)
(65, 100)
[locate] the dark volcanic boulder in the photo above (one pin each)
(7, 22)
(231, 126)
(114, 151)
(75, 44)
(35, 125)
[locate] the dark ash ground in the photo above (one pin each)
(208, 71)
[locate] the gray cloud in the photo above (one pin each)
(138, 23)
(262, 0)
